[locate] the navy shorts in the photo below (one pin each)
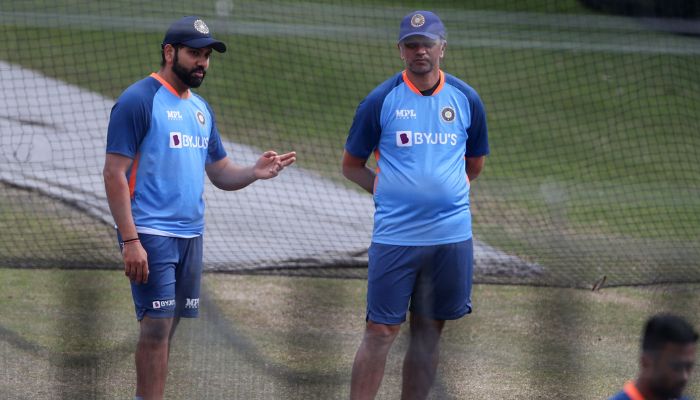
(433, 281)
(174, 276)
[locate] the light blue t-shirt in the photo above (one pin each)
(421, 192)
(170, 139)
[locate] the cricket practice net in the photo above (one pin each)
(593, 120)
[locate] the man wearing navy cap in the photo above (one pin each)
(161, 139)
(427, 130)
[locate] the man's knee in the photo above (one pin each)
(421, 325)
(380, 333)
(155, 330)
(425, 333)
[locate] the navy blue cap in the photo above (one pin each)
(424, 23)
(192, 32)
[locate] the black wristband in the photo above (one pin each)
(130, 240)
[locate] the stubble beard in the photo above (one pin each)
(421, 69)
(668, 392)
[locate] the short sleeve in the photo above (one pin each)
(215, 150)
(477, 140)
(365, 130)
(129, 122)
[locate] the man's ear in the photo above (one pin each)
(169, 53)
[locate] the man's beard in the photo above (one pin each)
(667, 392)
(422, 69)
(186, 76)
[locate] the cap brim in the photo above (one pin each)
(424, 34)
(206, 42)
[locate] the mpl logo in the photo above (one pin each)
(192, 303)
(404, 138)
(406, 114)
(174, 115)
(175, 140)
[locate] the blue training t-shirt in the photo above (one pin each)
(170, 139)
(421, 192)
(630, 392)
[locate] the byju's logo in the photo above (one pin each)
(404, 138)
(179, 140)
(406, 114)
(175, 140)
(408, 138)
(174, 115)
(163, 303)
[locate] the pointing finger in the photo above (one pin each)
(289, 161)
(288, 155)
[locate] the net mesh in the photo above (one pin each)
(593, 124)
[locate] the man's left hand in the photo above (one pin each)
(270, 164)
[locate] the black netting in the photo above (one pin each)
(593, 124)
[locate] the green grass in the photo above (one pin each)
(39, 231)
(72, 333)
(593, 172)
(592, 147)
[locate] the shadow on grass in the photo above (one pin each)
(79, 370)
(81, 326)
(270, 376)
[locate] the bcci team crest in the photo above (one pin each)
(417, 20)
(201, 27)
(200, 118)
(447, 114)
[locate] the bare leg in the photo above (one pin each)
(152, 357)
(421, 360)
(176, 321)
(368, 368)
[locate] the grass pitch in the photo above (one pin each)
(70, 334)
(593, 171)
(592, 120)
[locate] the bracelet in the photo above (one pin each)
(130, 240)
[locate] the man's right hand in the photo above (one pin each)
(355, 169)
(135, 262)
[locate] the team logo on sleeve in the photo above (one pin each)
(404, 138)
(417, 20)
(200, 118)
(447, 114)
